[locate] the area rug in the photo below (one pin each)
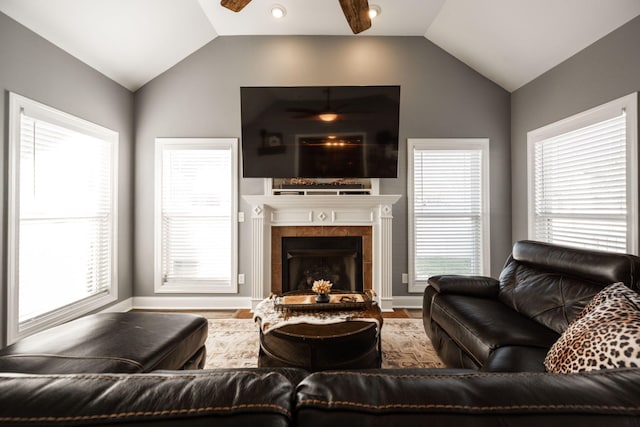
(233, 343)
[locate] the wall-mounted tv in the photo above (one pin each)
(320, 131)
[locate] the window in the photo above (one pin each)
(62, 217)
(448, 187)
(583, 179)
(196, 232)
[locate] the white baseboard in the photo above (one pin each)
(407, 301)
(217, 303)
(121, 306)
(191, 303)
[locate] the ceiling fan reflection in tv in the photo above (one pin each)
(327, 114)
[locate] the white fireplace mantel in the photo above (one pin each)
(322, 210)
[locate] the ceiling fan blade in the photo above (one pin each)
(357, 14)
(235, 5)
(302, 110)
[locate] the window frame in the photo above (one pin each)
(481, 144)
(629, 104)
(39, 111)
(195, 143)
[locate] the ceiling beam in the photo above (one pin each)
(357, 14)
(235, 5)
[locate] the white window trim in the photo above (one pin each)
(598, 114)
(15, 331)
(448, 144)
(167, 143)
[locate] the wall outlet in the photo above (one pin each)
(241, 279)
(405, 278)
(240, 216)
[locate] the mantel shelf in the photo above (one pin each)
(346, 201)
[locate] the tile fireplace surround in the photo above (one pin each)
(275, 216)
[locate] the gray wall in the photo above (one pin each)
(35, 68)
(604, 71)
(440, 97)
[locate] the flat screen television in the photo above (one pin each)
(320, 131)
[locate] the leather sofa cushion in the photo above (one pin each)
(109, 342)
(481, 325)
(443, 398)
(222, 398)
(549, 298)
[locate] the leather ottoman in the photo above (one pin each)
(112, 342)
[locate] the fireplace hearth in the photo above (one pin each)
(310, 258)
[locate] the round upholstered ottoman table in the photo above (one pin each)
(348, 340)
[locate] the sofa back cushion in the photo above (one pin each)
(221, 398)
(551, 284)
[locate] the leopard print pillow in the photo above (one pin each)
(605, 335)
(615, 291)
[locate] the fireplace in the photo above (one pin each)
(310, 258)
(274, 217)
(351, 246)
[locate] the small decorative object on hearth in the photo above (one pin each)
(322, 289)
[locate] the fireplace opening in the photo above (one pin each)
(310, 258)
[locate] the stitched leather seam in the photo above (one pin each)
(187, 411)
(63, 356)
(471, 375)
(130, 377)
(467, 407)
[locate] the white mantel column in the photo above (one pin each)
(384, 264)
(260, 269)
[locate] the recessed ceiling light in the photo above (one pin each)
(374, 10)
(278, 11)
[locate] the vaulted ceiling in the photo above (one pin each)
(508, 41)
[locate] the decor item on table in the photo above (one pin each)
(322, 289)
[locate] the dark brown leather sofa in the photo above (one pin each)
(509, 324)
(261, 397)
(158, 395)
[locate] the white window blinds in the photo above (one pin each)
(62, 246)
(448, 209)
(197, 218)
(581, 192)
(580, 187)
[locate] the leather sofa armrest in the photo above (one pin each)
(478, 286)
